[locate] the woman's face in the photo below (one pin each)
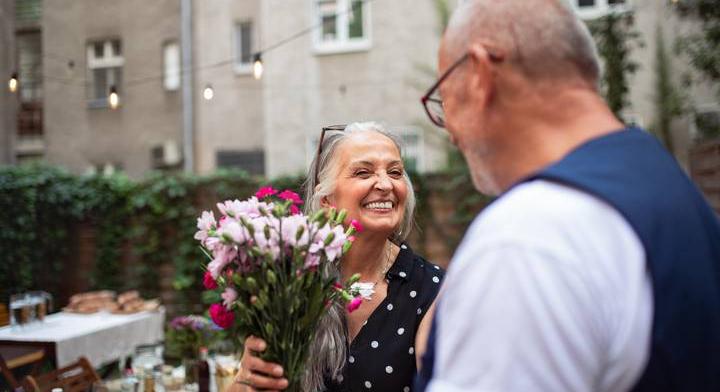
(369, 182)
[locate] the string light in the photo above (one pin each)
(257, 66)
(13, 82)
(208, 92)
(113, 98)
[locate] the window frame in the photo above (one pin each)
(166, 71)
(600, 9)
(239, 67)
(343, 43)
(107, 62)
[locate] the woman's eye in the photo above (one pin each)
(396, 173)
(362, 173)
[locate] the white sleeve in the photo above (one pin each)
(515, 317)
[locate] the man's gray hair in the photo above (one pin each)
(543, 38)
(328, 351)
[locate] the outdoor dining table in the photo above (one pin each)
(101, 337)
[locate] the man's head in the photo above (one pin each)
(520, 53)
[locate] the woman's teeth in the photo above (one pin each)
(385, 205)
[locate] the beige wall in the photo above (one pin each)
(78, 136)
(8, 101)
(304, 91)
(233, 119)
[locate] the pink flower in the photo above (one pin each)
(356, 225)
(351, 238)
(294, 210)
(209, 282)
(222, 317)
(265, 192)
(290, 195)
(354, 304)
(205, 223)
(229, 296)
(223, 256)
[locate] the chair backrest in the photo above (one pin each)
(7, 373)
(77, 377)
(4, 315)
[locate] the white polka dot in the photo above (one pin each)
(413, 294)
(402, 274)
(403, 246)
(340, 378)
(374, 344)
(436, 279)
(364, 322)
(401, 331)
(419, 311)
(388, 369)
(351, 359)
(412, 350)
(390, 307)
(368, 385)
(406, 389)
(436, 267)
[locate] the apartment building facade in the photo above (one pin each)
(324, 62)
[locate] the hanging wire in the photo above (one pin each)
(257, 55)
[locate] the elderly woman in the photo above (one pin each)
(377, 347)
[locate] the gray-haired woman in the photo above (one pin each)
(359, 168)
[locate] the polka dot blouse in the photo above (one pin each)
(382, 356)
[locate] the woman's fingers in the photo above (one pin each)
(257, 365)
(255, 344)
(260, 382)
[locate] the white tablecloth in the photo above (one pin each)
(101, 337)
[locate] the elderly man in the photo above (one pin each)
(598, 267)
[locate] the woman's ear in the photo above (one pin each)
(325, 202)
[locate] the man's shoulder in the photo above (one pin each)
(541, 204)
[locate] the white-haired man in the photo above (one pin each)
(598, 267)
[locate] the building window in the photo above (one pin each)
(171, 66)
(344, 26)
(252, 162)
(243, 46)
(411, 139)
(105, 62)
(591, 9)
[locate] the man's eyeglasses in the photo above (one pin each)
(329, 128)
(432, 102)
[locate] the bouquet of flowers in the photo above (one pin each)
(186, 334)
(270, 263)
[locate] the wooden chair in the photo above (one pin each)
(77, 377)
(4, 315)
(14, 357)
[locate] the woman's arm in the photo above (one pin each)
(256, 374)
(422, 334)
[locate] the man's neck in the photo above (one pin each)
(545, 130)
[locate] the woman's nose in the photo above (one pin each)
(383, 183)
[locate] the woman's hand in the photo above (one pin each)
(256, 374)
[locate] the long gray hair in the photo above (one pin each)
(329, 349)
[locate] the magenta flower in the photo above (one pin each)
(209, 282)
(222, 317)
(354, 304)
(356, 225)
(265, 192)
(294, 210)
(290, 195)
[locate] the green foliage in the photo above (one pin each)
(703, 47)
(668, 103)
(137, 227)
(616, 37)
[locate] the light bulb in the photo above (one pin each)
(208, 92)
(13, 82)
(257, 66)
(113, 98)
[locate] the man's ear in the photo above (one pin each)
(480, 80)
